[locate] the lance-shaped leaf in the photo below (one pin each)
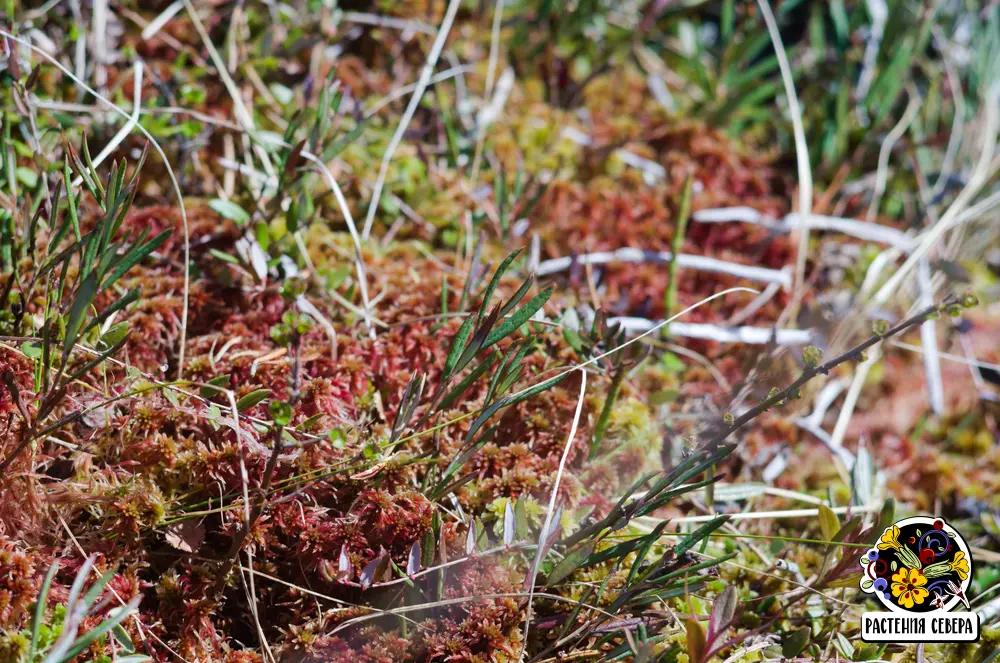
(696, 644)
(494, 282)
(119, 304)
(723, 611)
(478, 340)
(134, 256)
(517, 319)
(81, 305)
(467, 381)
(214, 386)
(650, 539)
(251, 399)
(39, 614)
(409, 402)
(87, 638)
(570, 563)
(692, 539)
(457, 347)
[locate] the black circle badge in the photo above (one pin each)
(918, 565)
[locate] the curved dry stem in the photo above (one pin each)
(547, 526)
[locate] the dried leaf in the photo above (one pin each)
(723, 610)
(509, 524)
(470, 540)
(374, 569)
(828, 522)
(186, 535)
(695, 641)
(413, 561)
(370, 472)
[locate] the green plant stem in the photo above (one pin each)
(609, 404)
(765, 537)
(683, 212)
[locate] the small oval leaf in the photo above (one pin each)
(251, 399)
(214, 386)
(374, 569)
(230, 210)
(829, 524)
(570, 563)
(795, 642)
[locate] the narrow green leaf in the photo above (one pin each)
(467, 381)
(134, 256)
(87, 638)
(692, 539)
(251, 399)
(494, 282)
(640, 556)
(39, 614)
(519, 318)
(81, 305)
(570, 563)
(214, 386)
(511, 400)
(230, 210)
(118, 305)
(457, 347)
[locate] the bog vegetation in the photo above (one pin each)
(521, 331)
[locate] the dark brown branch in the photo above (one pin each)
(811, 372)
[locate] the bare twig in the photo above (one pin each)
(792, 390)
(630, 255)
(411, 108)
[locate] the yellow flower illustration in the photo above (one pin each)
(908, 587)
(960, 565)
(890, 539)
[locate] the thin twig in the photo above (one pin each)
(631, 255)
(550, 511)
(792, 390)
(411, 108)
